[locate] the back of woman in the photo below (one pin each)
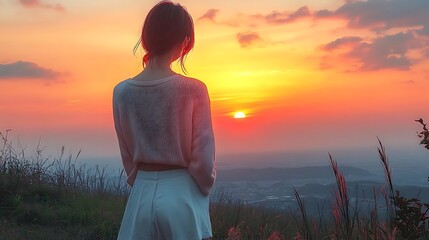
(163, 124)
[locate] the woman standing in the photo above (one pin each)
(164, 129)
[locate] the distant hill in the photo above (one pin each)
(281, 174)
(364, 189)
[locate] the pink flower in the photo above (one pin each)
(298, 236)
(234, 234)
(275, 236)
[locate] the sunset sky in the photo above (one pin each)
(318, 75)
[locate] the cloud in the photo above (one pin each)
(248, 39)
(286, 17)
(340, 42)
(323, 14)
(39, 4)
(395, 33)
(388, 51)
(377, 15)
(426, 52)
(409, 82)
(209, 15)
(384, 52)
(276, 17)
(27, 70)
(424, 30)
(254, 20)
(381, 14)
(400, 27)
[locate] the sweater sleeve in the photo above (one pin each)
(202, 164)
(127, 159)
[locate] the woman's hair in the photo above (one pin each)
(166, 26)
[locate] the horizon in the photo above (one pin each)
(408, 167)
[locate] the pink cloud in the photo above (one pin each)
(286, 17)
(381, 14)
(254, 20)
(39, 4)
(248, 39)
(209, 15)
(342, 42)
(399, 27)
(386, 50)
(383, 52)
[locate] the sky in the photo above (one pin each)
(309, 75)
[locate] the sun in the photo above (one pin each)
(239, 115)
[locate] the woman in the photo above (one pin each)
(163, 124)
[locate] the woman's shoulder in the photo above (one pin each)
(193, 83)
(181, 82)
(120, 86)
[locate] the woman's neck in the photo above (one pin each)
(157, 67)
(162, 62)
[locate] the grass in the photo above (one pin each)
(56, 199)
(60, 198)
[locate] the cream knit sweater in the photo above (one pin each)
(166, 121)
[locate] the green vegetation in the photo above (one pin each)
(56, 199)
(42, 198)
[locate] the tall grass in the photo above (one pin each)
(44, 198)
(306, 231)
(233, 219)
(388, 175)
(64, 172)
(406, 218)
(344, 223)
(62, 198)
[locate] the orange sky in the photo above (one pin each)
(308, 74)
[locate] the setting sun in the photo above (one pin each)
(267, 78)
(239, 115)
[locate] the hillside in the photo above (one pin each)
(284, 174)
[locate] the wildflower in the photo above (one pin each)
(275, 236)
(298, 236)
(234, 234)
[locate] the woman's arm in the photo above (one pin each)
(202, 165)
(127, 160)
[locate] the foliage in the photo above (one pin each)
(44, 198)
(410, 218)
(57, 198)
(424, 135)
(234, 220)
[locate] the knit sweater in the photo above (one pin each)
(166, 121)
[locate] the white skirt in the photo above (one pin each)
(166, 205)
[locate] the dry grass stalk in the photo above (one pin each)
(387, 173)
(306, 231)
(341, 207)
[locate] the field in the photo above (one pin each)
(59, 198)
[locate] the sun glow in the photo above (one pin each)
(239, 115)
